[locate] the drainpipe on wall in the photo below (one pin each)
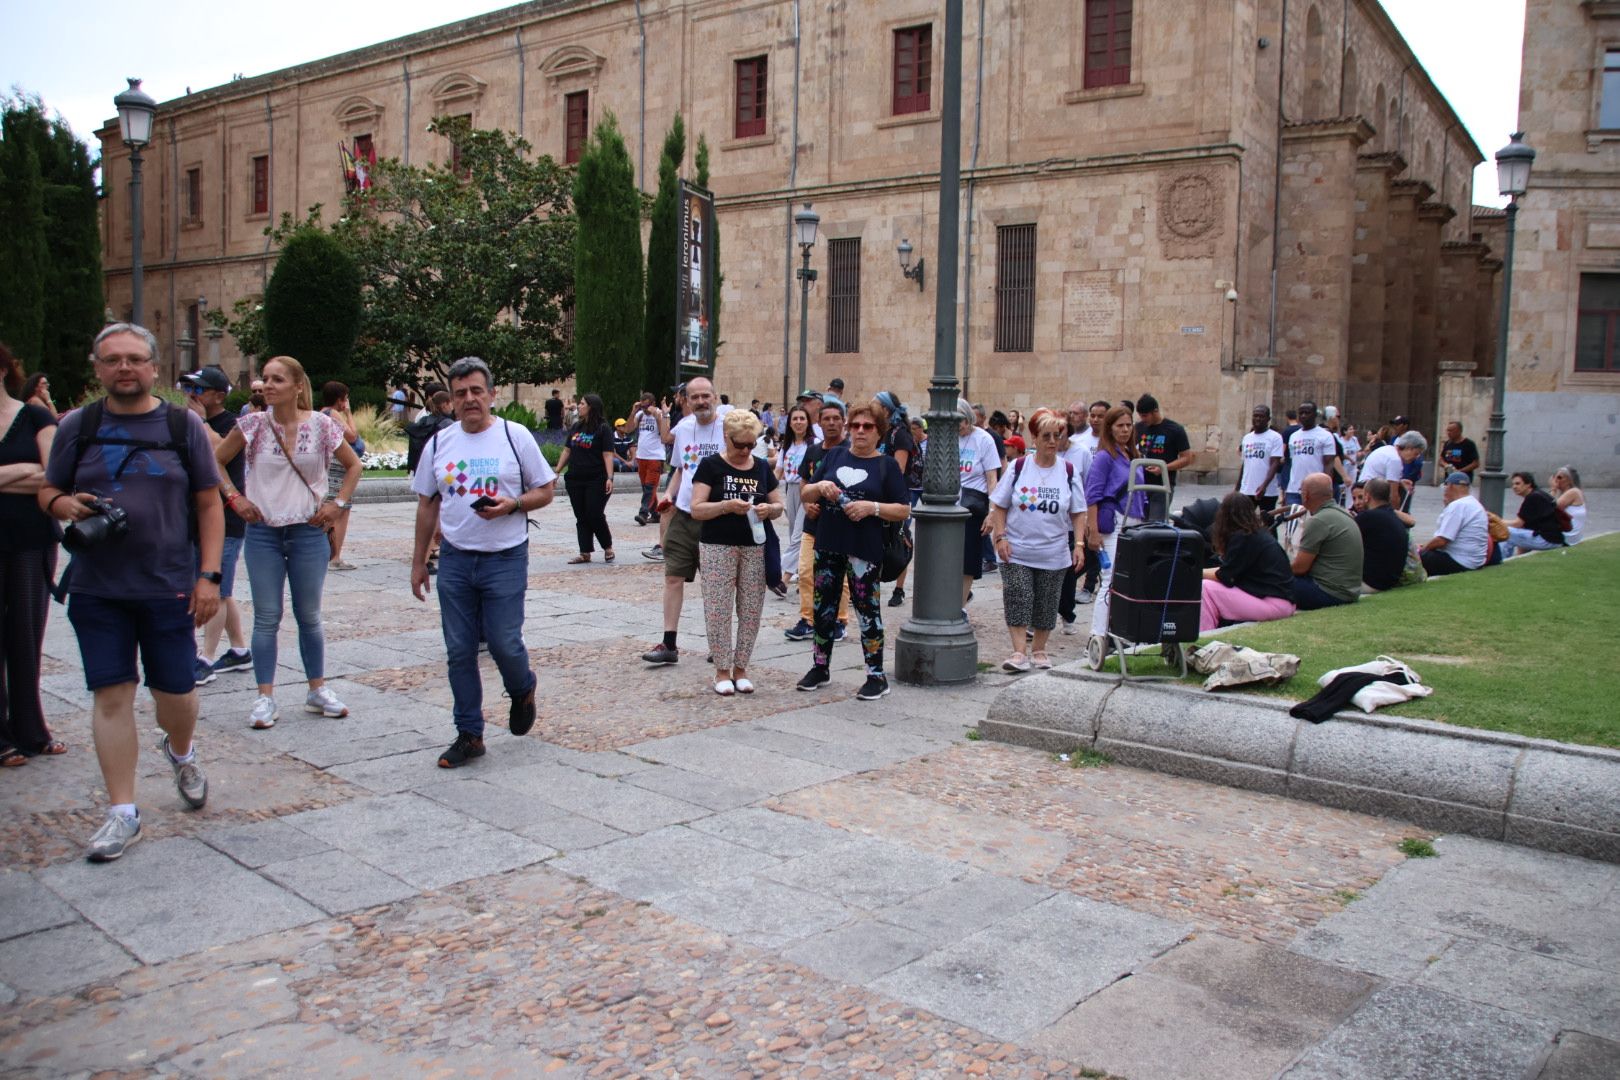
(967, 292)
(521, 75)
(787, 254)
(641, 160)
(405, 157)
(1276, 186)
(270, 184)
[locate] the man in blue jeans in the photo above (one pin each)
(137, 588)
(476, 482)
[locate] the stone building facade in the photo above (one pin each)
(1563, 391)
(1127, 168)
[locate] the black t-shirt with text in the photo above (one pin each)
(1459, 455)
(877, 479)
(726, 481)
(1164, 441)
(585, 449)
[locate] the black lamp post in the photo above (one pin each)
(135, 112)
(936, 647)
(1513, 163)
(804, 224)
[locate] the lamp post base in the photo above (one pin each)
(930, 653)
(936, 646)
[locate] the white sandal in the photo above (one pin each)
(725, 687)
(744, 686)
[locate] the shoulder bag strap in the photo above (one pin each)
(281, 440)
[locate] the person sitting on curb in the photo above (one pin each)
(1461, 538)
(1327, 570)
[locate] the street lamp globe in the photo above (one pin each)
(904, 249)
(805, 222)
(1513, 166)
(135, 111)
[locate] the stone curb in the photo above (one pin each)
(1533, 792)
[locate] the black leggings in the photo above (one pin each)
(24, 606)
(589, 500)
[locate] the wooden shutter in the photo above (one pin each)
(577, 107)
(1108, 43)
(261, 184)
(751, 84)
(913, 69)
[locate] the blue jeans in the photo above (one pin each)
(294, 555)
(1524, 538)
(1308, 595)
(482, 592)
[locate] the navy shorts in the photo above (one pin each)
(110, 632)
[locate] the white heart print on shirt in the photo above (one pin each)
(849, 477)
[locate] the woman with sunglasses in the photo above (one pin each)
(858, 489)
(733, 493)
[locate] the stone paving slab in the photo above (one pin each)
(710, 792)
(1211, 1009)
(860, 952)
(665, 863)
(1529, 983)
(962, 907)
(1022, 973)
(336, 882)
(167, 898)
(1579, 1056)
(715, 755)
(27, 906)
(619, 805)
(868, 874)
(1410, 1033)
(782, 835)
(759, 912)
(60, 959)
(264, 842)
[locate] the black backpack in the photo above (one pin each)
(90, 435)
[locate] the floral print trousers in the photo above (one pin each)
(733, 577)
(832, 569)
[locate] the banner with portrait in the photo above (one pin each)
(694, 290)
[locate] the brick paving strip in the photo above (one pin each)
(657, 882)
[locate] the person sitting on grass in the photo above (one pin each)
(1254, 582)
(1327, 570)
(1538, 526)
(1461, 538)
(1385, 540)
(1566, 483)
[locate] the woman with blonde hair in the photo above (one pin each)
(289, 513)
(1566, 484)
(733, 494)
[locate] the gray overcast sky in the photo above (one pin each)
(75, 54)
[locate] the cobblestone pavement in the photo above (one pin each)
(660, 882)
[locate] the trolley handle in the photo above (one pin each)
(1144, 464)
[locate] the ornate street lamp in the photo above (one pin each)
(804, 226)
(911, 273)
(135, 112)
(1513, 163)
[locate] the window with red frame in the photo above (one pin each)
(1108, 43)
(577, 108)
(750, 97)
(913, 68)
(261, 184)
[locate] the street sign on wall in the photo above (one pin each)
(694, 292)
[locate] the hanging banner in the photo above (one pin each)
(694, 291)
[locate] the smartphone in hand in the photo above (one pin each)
(483, 502)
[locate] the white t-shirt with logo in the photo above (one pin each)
(792, 458)
(692, 443)
(1310, 448)
(460, 468)
(1039, 504)
(1258, 450)
(1464, 525)
(977, 455)
(649, 444)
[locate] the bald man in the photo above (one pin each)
(1327, 570)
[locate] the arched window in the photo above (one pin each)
(1379, 120)
(1348, 105)
(1315, 82)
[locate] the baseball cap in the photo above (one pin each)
(209, 378)
(620, 422)
(1459, 478)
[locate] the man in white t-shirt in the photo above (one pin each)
(1262, 452)
(476, 482)
(1311, 449)
(1462, 535)
(699, 434)
(1392, 461)
(651, 424)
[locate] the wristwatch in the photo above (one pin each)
(213, 576)
(342, 504)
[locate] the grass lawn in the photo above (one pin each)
(1531, 647)
(375, 474)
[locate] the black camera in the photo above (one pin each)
(109, 522)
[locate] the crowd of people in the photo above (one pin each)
(157, 503)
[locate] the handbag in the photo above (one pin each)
(976, 502)
(897, 549)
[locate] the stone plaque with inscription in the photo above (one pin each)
(1093, 311)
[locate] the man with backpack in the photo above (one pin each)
(133, 478)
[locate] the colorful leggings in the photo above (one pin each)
(833, 569)
(733, 576)
(1030, 596)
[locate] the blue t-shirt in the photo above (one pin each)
(153, 560)
(877, 479)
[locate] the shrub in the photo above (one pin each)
(378, 428)
(236, 399)
(312, 305)
(518, 413)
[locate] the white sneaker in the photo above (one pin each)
(1071, 628)
(325, 703)
(114, 837)
(1084, 596)
(264, 713)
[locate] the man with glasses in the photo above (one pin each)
(476, 483)
(135, 586)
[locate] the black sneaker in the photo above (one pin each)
(202, 672)
(232, 660)
(814, 679)
(799, 631)
(874, 687)
(520, 718)
(897, 598)
(464, 749)
(991, 568)
(840, 632)
(661, 654)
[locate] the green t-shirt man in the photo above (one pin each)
(1332, 536)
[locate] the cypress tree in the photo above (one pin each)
(24, 256)
(663, 265)
(608, 311)
(312, 306)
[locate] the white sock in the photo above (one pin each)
(190, 755)
(127, 810)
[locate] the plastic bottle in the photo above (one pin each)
(1103, 560)
(757, 525)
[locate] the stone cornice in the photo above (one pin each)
(1354, 128)
(1390, 161)
(1418, 190)
(1601, 9)
(1431, 211)
(1464, 248)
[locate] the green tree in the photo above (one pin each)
(608, 328)
(471, 263)
(664, 264)
(245, 324)
(702, 161)
(65, 249)
(312, 306)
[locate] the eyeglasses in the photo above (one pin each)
(744, 445)
(863, 426)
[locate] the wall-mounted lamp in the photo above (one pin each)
(1231, 296)
(914, 273)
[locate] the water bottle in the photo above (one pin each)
(757, 525)
(1103, 560)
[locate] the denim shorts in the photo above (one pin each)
(229, 556)
(110, 632)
